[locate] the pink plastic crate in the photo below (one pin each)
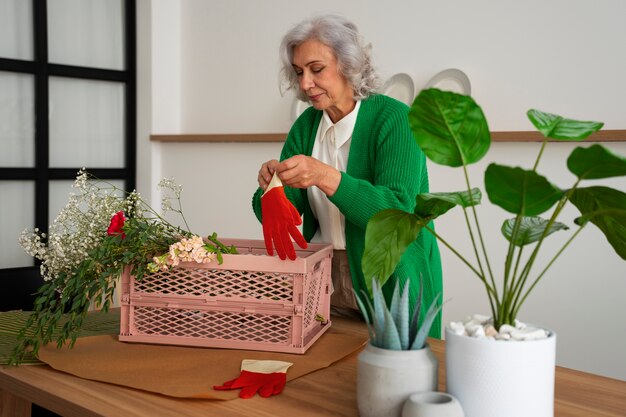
(251, 301)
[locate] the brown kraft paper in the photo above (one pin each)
(184, 372)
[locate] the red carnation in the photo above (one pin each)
(117, 223)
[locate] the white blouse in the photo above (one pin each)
(332, 146)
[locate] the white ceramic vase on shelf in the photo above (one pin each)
(494, 378)
(386, 378)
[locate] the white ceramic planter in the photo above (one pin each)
(493, 378)
(386, 378)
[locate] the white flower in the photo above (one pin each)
(78, 228)
(168, 183)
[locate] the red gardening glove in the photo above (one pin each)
(280, 219)
(265, 377)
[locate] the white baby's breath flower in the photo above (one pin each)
(81, 179)
(78, 228)
(170, 184)
(166, 204)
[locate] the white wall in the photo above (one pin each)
(214, 69)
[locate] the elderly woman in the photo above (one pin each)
(347, 157)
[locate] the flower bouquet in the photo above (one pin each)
(100, 231)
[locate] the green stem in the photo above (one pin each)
(517, 263)
(143, 202)
(522, 278)
(180, 211)
(543, 146)
(507, 266)
(446, 244)
(516, 287)
(508, 298)
(480, 237)
(526, 271)
(516, 308)
(490, 291)
(473, 239)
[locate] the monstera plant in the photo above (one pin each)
(452, 130)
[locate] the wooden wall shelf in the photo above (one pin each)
(231, 137)
(521, 136)
(534, 136)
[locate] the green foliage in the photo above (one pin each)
(433, 205)
(395, 227)
(452, 130)
(93, 280)
(520, 191)
(595, 162)
(556, 127)
(64, 299)
(530, 230)
(606, 208)
(391, 327)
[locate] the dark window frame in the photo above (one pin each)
(16, 281)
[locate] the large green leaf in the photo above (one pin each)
(520, 191)
(429, 206)
(387, 236)
(595, 162)
(450, 128)
(530, 229)
(556, 127)
(606, 208)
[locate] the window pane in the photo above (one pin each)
(86, 123)
(88, 33)
(17, 213)
(17, 120)
(60, 193)
(16, 29)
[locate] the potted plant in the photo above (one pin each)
(452, 130)
(396, 362)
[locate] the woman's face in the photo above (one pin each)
(319, 78)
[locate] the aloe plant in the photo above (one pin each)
(392, 328)
(452, 130)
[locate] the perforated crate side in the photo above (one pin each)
(267, 304)
(192, 281)
(236, 327)
(317, 297)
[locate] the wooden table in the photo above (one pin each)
(328, 392)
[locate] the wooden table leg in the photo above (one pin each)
(13, 406)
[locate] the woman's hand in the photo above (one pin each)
(301, 171)
(266, 172)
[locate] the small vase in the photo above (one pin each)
(432, 404)
(494, 378)
(386, 378)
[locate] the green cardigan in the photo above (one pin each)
(386, 169)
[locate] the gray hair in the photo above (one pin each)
(342, 37)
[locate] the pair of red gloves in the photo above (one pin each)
(280, 219)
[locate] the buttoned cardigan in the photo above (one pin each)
(386, 169)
